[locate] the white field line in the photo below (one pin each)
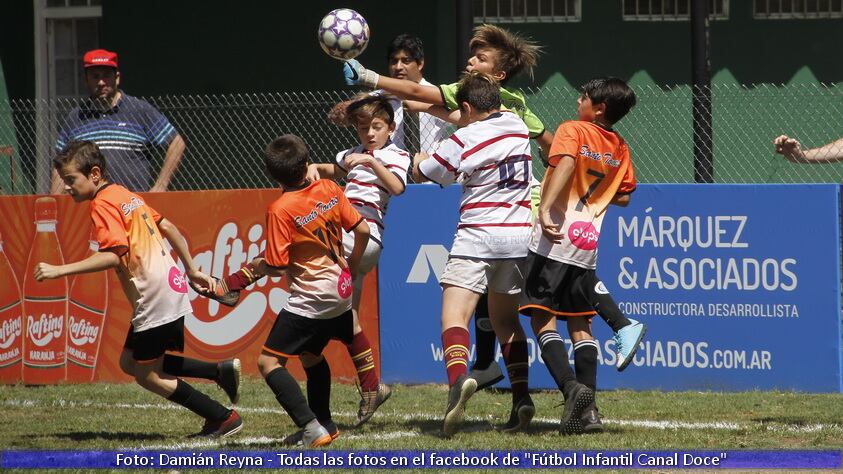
(649, 424)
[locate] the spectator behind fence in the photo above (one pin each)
(123, 127)
(792, 150)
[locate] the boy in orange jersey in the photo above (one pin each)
(589, 168)
(304, 241)
(130, 236)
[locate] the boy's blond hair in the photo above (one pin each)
(516, 53)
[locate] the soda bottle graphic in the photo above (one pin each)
(85, 320)
(44, 303)
(11, 322)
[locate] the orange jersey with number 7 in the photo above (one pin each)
(304, 234)
(602, 170)
(154, 285)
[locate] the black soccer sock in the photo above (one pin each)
(598, 297)
(198, 402)
(289, 395)
(484, 335)
(185, 367)
(555, 357)
(585, 362)
(319, 390)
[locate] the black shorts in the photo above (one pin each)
(152, 343)
(558, 288)
(293, 335)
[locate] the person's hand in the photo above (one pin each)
(45, 271)
(338, 114)
(550, 229)
(201, 281)
(790, 148)
(356, 159)
(355, 74)
(419, 157)
(312, 173)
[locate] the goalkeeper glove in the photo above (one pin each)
(355, 74)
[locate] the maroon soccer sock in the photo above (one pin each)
(515, 357)
(364, 362)
(242, 278)
(455, 341)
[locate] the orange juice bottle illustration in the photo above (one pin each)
(44, 303)
(11, 322)
(85, 320)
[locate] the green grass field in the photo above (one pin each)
(124, 416)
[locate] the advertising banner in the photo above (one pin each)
(739, 286)
(73, 329)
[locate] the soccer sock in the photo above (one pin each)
(185, 367)
(319, 390)
(515, 357)
(198, 402)
(484, 335)
(556, 359)
(242, 278)
(599, 297)
(585, 362)
(289, 395)
(455, 340)
(364, 362)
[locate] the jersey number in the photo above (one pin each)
(598, 178)
(332, 239)
(508, 170)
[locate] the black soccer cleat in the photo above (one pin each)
(487, 377)
(458, 396)
(221, 294)
(576, 402)
(228, 378)
(591, 420)
(520, 416)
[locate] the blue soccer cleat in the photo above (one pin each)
(627, 341)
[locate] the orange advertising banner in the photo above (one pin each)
(73, 329)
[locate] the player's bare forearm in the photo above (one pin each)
(389, 180)
(94, 263)
(361, 240)
(439, 111)
(553, 185)
(175, 152)
(829, 153)
(410, 90)
(545, 140)
(176, 239)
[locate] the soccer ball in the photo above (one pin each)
(343, 34)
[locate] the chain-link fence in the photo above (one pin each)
(225, 134)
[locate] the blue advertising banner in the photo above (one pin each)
(739, 286)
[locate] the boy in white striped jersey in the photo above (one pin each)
(490, 157)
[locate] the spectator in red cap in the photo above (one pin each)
(125, 129)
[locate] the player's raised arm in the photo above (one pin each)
(355, 74)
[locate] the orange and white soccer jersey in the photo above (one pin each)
(603, 169)
(304, 235)
(491, 159)
(154, 285)
(365, 190)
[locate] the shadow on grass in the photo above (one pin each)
(797, 420)
(103, 435)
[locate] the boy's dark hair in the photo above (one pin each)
(404, 42)
(515, 52)
(367, 107)
(613, 92)
(480, 90)
(85, 154)
(286, 159)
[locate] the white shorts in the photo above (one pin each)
(481, 276)
(370, 258)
